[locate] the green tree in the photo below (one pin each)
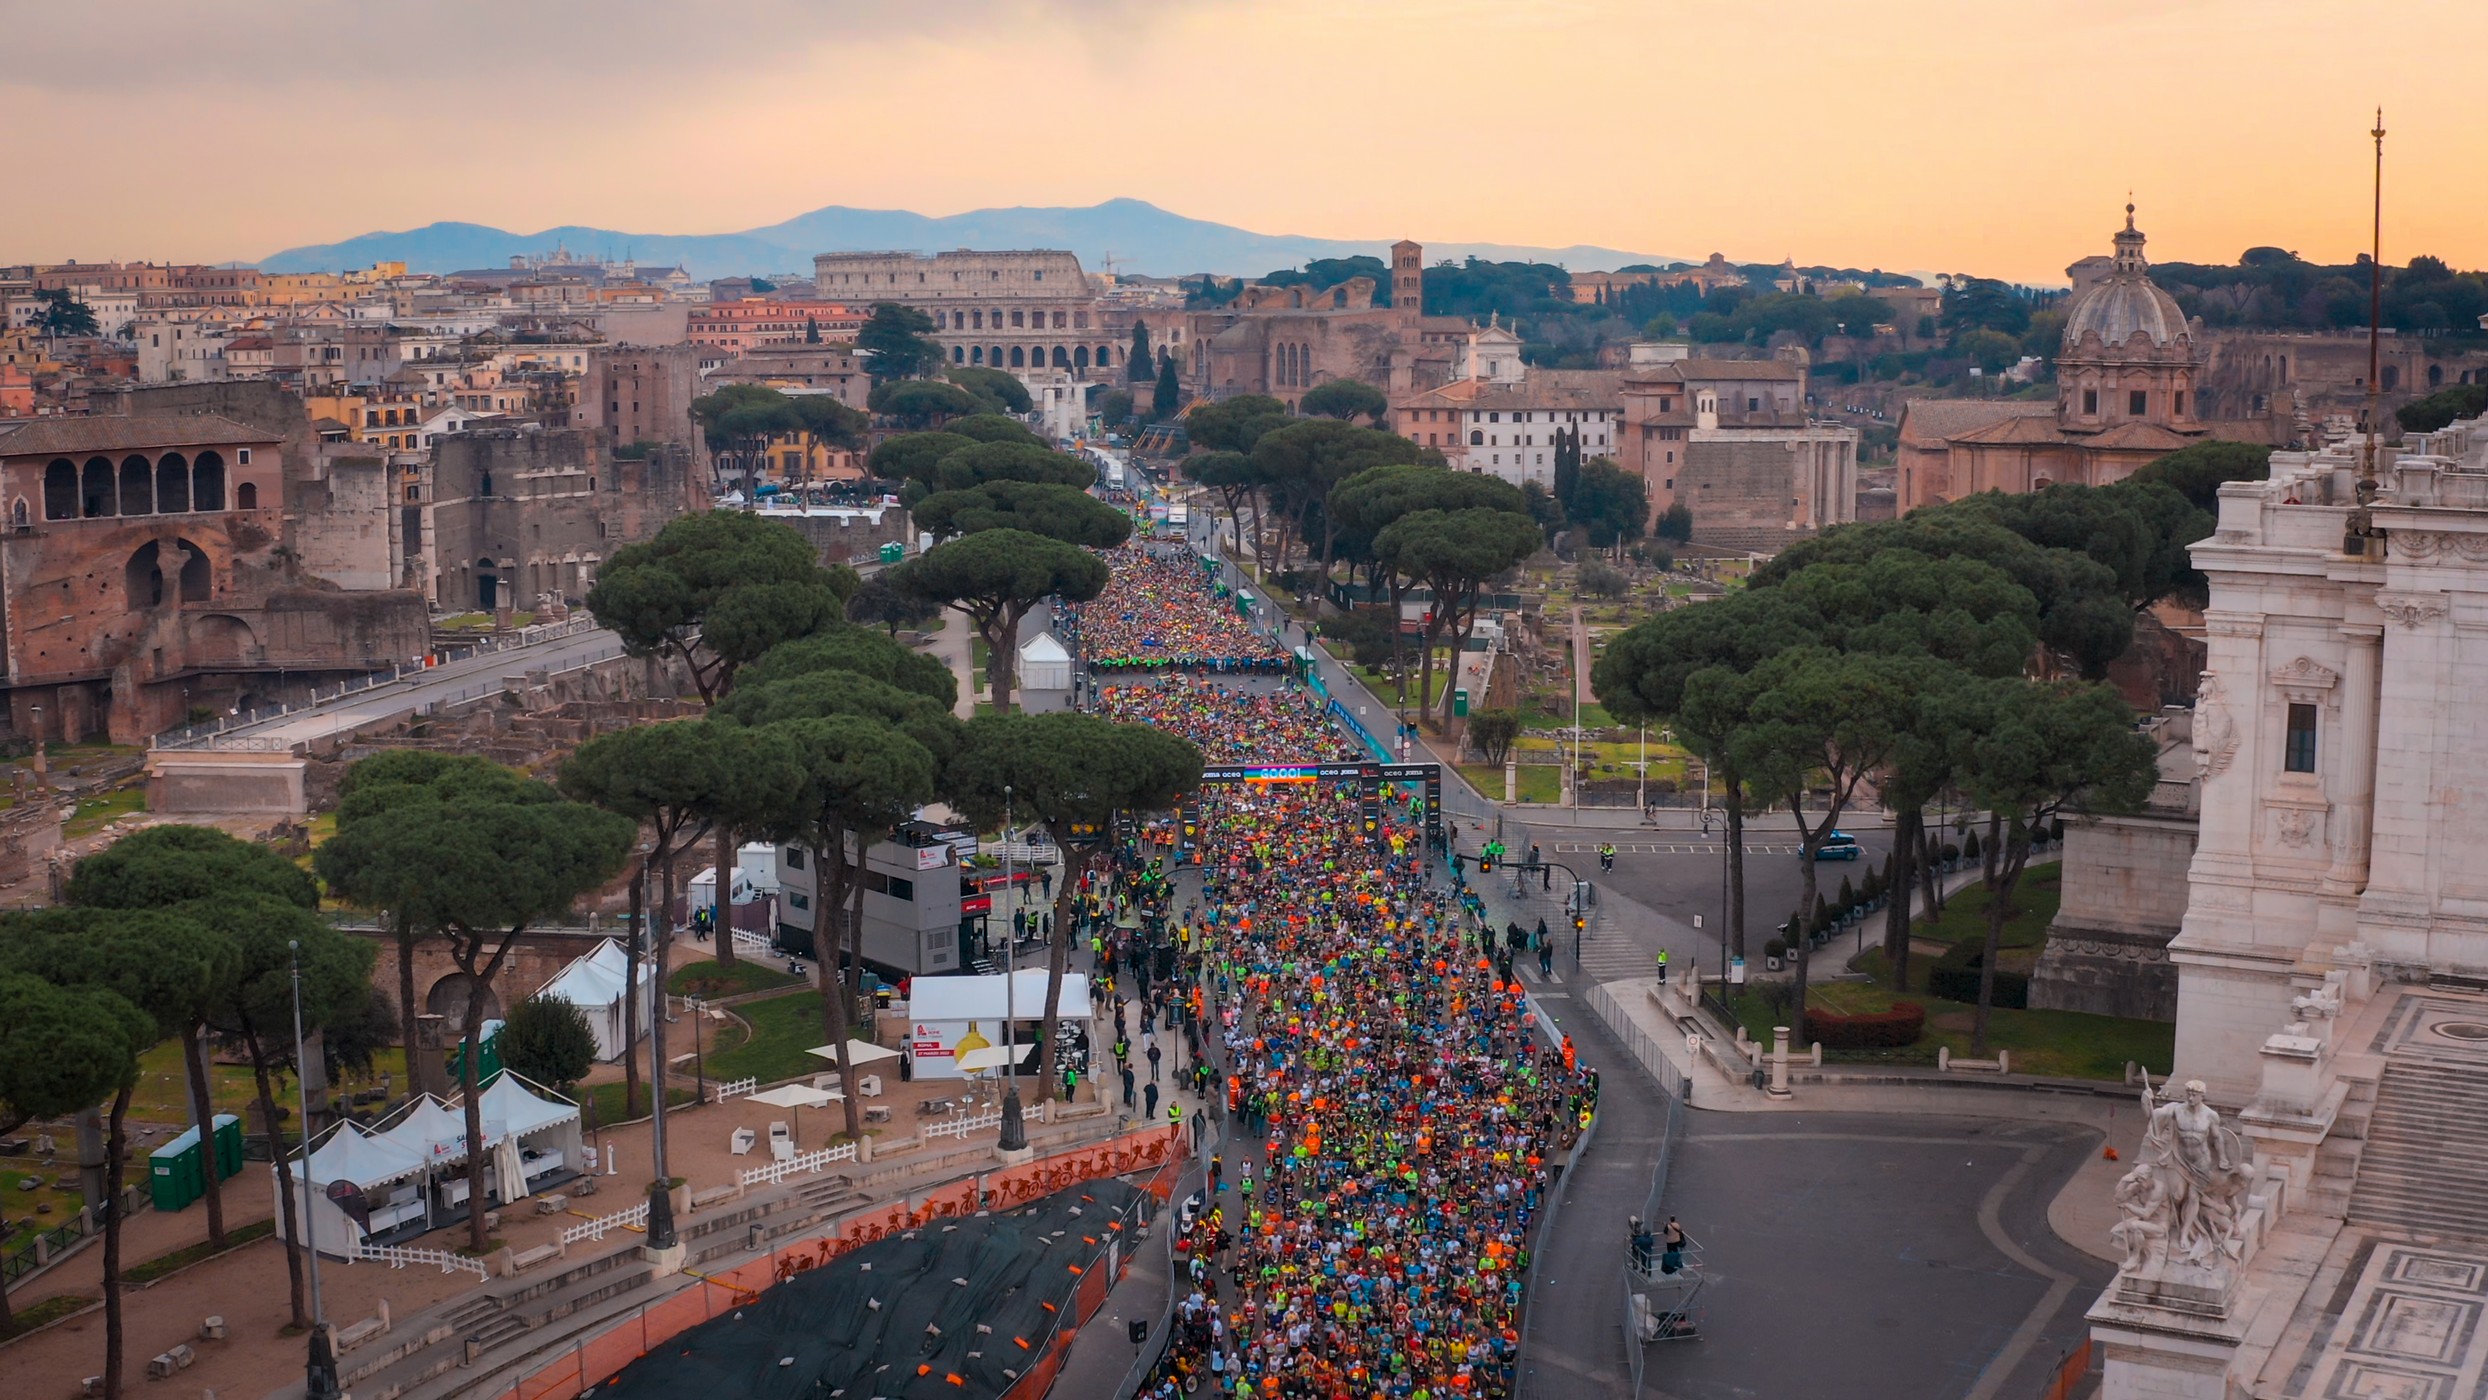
(64, 315)
(826, 423)
(1041, 508)
(261, 941)
(717, 590)
(739, 422)
(990, 426)
(754, 781)
(164, 866)
(660, 777)
(2198, 472)
(923, 403)
(1815, 725)
(1658, 327)
(996, 577)
(857, 650)
(898, 343)
(1610, 502)
(1114, 407)
(858, 776)
(1491, 733)
(476, 867)
(2030, 753)
(1991, 351)
(1366, 504)
(907, 456)
(1169, 395)
(1236, 424)
(1138, 363)
(548, 1040)
(2441, 408)
(158, 962)
(1858, 315)
(981, 463)
(1000, 390)
(1346, 398)
(1300, 464)
(1453, 554)
(1600, 580)
(63, 1050)
(877, 604)
(1236, 480)
(1675, 522)
(1073, 772)
(1541, 506)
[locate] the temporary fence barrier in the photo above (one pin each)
(399, 1256)
(1556, 1192)
(733, 1088)
(592, 1360)
(1645, 1051)
(961, 1127)
(2071, 1373)
(814, 1161)
(634, 1218)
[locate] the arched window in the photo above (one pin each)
(1079, 357)
(2436, 375)
(137, 486)
(1062, 357)
(96, 495)
(1105, 356)
(958, 355)
(60, 490)
(172, 484)
(246, 496)
(976, 354)
(1476, 438)
(207, 483)
(2392, 378)
(18, 513)
(994, 357)
(1019, 359)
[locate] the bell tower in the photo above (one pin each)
(1408, 279)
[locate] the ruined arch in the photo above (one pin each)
(448, 997)
(142, 578)
(221, 639)
(197, 576)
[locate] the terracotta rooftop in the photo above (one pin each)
(1693, 371)
(2149, 437)
(1936, 420)
(69, 436)
(1559, 390)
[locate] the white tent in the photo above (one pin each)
(594, 982)
(1043, 664)
(386, 1182)
(946, 1015)
(432, 1130)
(545, 1128)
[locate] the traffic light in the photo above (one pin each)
(1579, 923)
(1486, 863)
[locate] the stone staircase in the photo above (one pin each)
(2409, 1176)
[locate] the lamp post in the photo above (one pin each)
(320, 1370)
(1014, 1134)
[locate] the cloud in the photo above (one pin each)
(122, 47)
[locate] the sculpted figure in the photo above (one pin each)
(2198, 1169)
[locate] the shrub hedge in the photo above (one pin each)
(1955, 978)
(1877, 1030)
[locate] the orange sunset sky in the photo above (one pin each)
(1990, 136)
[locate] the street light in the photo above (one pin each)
(1014, 1135)
(320, 1370)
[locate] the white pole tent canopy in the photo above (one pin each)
(950, 1016)
(595, 982)
(544, 1126)
(353, 1185)
(430, 1129)
(1044, 664)
(861, 1052)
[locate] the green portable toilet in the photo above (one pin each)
(228, 1147)
(1460, 704)
(177, 1172)
(892, 553)
(488, 1064)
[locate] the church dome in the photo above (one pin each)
(2125, 301)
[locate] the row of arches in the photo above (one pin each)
(171, 485)
(1021, 319)
(1292, 366)
(1029, 357)
(143, 578)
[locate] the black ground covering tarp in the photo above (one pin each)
(819, 1335)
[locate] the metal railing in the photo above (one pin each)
(636, 1218)
(400, 1256)
(803, 1163)
(39, 1249)
(1545, 1235)
(1601, 1000)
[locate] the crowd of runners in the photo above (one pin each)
(1342, 1009)
(1163, 610)
(1231, 724)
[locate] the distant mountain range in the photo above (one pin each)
(1139, 237)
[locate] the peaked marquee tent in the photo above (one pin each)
(594, 982)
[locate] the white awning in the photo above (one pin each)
(352, 1155)
(983, 998)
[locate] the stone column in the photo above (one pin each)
(2353, 801)
(1779, 1062)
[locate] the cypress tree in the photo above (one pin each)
(1169, 389)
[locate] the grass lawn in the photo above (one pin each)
(1593, 716)
(25, 1320)
(602, 1103)
(979, 656)
(711, 979)
(162, 1096)
(94, 812)
(2034, 908)
(187, 1255)
(479, 621)
(1378, 680)
(783, 1028)
(1539, 782)
(2071, 1044)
